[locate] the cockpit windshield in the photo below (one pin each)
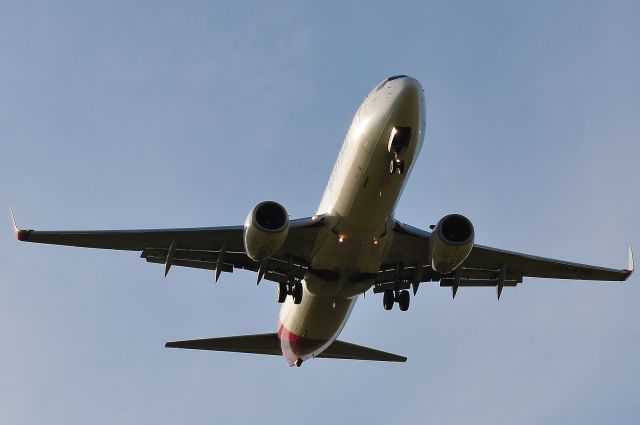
(393, 77)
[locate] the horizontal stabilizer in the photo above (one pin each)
(346, 350)
(270, 344)
(255, 344)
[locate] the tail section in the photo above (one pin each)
(269, 344)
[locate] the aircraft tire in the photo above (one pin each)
(281, 293)
(388, 299)
(404, 299)
(297, 293)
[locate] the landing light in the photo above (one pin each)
(375, 241)
(341, 238)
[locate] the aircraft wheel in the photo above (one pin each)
(281, 293)
(404, 300)
(297, 293)
(388, 299)
(396, 166)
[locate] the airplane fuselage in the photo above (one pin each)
(358, 205)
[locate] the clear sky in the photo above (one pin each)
(170, 114)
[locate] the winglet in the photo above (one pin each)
(13, 220)
(631, 266)
(21, 235)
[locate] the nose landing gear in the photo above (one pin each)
(398, 141)
(396, 165)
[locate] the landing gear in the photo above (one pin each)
(403, 300)
(396, 166)
(294, 290)
(281, 293)
(297, 293)
(298, 362)
(390, 297)
(399, 139)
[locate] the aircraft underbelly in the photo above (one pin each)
(308, 328)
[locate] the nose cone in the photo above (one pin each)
(406, 81)
(399, 81)
(408, 92)
(407, 103)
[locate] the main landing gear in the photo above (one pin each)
(390, 297)
(295, 290)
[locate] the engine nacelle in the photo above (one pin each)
(265, 230)
(451, 243)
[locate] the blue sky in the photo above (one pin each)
(167, 114)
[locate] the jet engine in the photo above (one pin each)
(265, 230)
(450, 243)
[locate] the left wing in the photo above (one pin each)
(215, 248)
(407, 264)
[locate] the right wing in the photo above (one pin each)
(408, 264)
(214, 248)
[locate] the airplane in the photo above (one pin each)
(323, 263)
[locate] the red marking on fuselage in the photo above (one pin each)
(298, 345)
(22, 235)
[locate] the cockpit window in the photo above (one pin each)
(393, 77)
